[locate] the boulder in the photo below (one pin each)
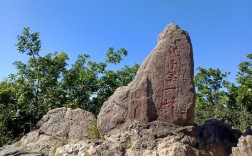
(66, 123)
(248, 131)
(162, 89)
(244, 146)
(216, 138)
(57, 128)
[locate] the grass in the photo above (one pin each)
(127, 144)
(92, 130)
(56, 145)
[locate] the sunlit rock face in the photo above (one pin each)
(163, 87)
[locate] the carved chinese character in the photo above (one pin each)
(173, 65)
(174, 51)
(171, 88)
(172, 76)
(170, 103)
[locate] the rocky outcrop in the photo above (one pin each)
(157, 138)
(162, 90)
(244, 146)
(58, 127)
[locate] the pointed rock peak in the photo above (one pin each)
(163, 87)
(169, 31)
(172, 26)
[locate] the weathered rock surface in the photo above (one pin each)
(244, 146)
(163, 88)
(155, 138)
(59, 126)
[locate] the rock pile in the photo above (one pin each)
(58, 127)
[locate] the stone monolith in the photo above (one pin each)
(162, 89)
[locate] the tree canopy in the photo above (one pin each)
(217, 98)
(46, 82)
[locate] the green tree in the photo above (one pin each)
(211, 93)
(46, 94)
(219, 99)
(244, 79)
(44, 83)
(88, 84)
(240, 94)
(109, 82)
(7, 111)
(31, 45)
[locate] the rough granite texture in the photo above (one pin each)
(244, 146)
(58, 127)
(163, 87)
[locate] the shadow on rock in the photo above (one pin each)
(216, 138)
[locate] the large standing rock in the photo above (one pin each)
(163, 88)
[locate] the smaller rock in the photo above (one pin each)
(178, 149)
(216, 138)
(248, 131)
(66, 123)
(244, 146)
(108, 148)
(72, 149)
(57, 128)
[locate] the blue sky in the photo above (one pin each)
(221, 30)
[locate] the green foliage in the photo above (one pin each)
(11, 114)
(88, 84)
(109, 82)
(86, 153)
(92, 130)
(115, 57)
(217, 98)
(244, 78)
(29, 43)
(46, 82)
(127, 144)
(56, 145)
(208, 83)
